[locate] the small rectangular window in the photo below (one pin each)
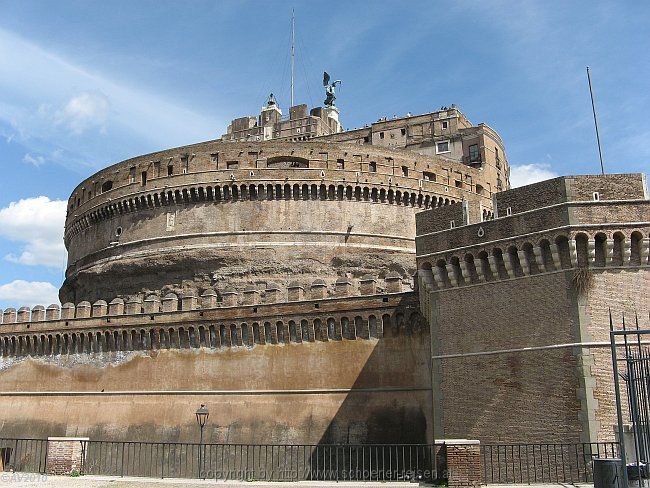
(445, 124)
(340, 164)
(156, 169)
(459, 184)
(405, 171)
(442, 147)
(232, 164)
(508, 211)
(372, 167)
(132, 175)
(381, 135)
(170, 170)
(474, 155)
(143, 178)
(403, 131)
(214, 157)
(428, 176)
(185, 164)
(452, 224)
(366, 139)
(596, 196)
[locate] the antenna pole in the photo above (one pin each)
(293, 24)
(593, 109)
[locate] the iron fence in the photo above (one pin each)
(261, 461)
(543, 463)
(25, 455)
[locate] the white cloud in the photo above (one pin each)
(84, 111)
(38, 224)
(48, 103)
(33, 159)
(525, 174)
(29, 293)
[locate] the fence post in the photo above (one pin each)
(65, 455)
(463, 463)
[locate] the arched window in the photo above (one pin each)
(582, 253)
(319, 334)
(600, 243)
(331, 329)
(372, 326)
(619, 249)
(636, 241)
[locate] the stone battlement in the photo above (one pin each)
(228, 297)
(582, 221)
(192, 322)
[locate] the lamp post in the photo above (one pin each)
(201, 418)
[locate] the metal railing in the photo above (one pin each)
(260, 462)
(25, 455)
(543, 463)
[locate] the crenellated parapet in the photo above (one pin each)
(214, 320)
(530, 255)
(597, 222)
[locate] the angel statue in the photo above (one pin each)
(329, 89)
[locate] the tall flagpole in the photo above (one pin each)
(293, 21)
(593, 109)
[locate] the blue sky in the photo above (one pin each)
(86, 84)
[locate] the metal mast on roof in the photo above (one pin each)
(293, 23)
(593, 108)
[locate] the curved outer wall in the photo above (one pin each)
(215, 215)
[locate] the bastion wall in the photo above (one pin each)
(298, 369)
(519, 308)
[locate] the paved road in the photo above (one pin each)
(10, 480)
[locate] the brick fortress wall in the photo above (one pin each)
(296, 367)
(542, 275)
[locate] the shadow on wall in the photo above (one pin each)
(399, 412)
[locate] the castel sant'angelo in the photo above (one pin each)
(311, 284)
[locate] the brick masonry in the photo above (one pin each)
(522, 349)
(65, 455)
(464, 467)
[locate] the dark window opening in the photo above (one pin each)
(381, 135)
(445, 124)
(107, 186)
(428, 176)
(170, 170)
(459, 184)
(474, 155)
(405, 171)
(143, 179)
(403, 131)
(340, 164)
(372, 167)
(232, 164)
(366, 139)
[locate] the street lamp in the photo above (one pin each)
(201, 418)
